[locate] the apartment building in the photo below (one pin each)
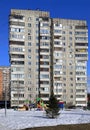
(70, 44)
(47, 54)
(4, 83)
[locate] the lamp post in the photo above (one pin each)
(4, 72)
(5, 102)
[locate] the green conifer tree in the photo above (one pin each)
(53, 108)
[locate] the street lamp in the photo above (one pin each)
(5, 101)
(4, 72)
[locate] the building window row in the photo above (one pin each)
(17, 75)
(81, 33)
(81, 84)
(42, 76)
(44, 24)
(17, 49)
(81, 38)
(44, 31)
(45, 37)
(57, 31)
(80, 55)
(80, 73)
(80, 67)
(12, 29)
(17, 36)
(80, 79)
(14, 69)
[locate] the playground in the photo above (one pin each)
(38, 105)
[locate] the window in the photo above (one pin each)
(64, 78)
(16, 49)
(29, 43)
(71, 96)
(29, 18)
(80, 79)
(29, 76)
(81, 27)
(44, 31)
(80, 90)
(71, 84)
(44, 63)
(70, 38)
(29, 63)
(58, 25)
(37, 50)
(63, 38)
(70, 32)
(17, 76)
(57, 66)
(44, 76)
(44, 44)
(37, 19)
(29, 50)
(37, 44)
(71, 73)
(63, 32)
(37, 63)
(17, 36)
(81, 38)
(70, 27)
(44, 37)
(29, 56)
(45, 24)
(64, 90)
(20, 17)
(29, 31)
(71, 90)
(37, 31)
(64, 43)
(46, 89)
(29, 37)
(64, 73)
(57, 84)
(29, 89)
(71, 78)
(14, 69)
(29, 24)
(80, 55)
(36, 25)
(81, 33)
(80, 96)
(17, 29)
(57, 31)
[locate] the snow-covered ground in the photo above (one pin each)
(16, 120)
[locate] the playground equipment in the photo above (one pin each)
(61, 104)
(40, 104)
(23, 108)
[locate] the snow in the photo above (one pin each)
(16, 120)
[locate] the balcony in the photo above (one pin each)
(81, 51)
(16, 43)
(17, 62)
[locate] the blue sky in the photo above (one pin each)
(71, 9)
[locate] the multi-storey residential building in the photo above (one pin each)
(29, 43)
(47, 54)
(4, 83)
(70, 44)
